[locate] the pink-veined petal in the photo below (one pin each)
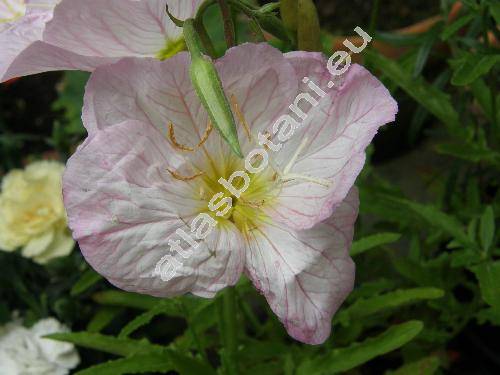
(161, 93)
(82, 35)
(23, 52)
(148, 90)
(117, 28)
(335, 135)
(123, 206)
(305, 275)
(41, 57)
(263, 83)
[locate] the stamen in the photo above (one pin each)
(314, 180)
(253, 204)
(171, 135)
(179, 177)
(295, 156)
(240, 116)
(207, 133)
(202, 193)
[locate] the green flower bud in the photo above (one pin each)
(209, 89)
(289, 10)
(265, 17)
(308, 28)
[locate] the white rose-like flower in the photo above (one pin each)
(23, 351)
(32, 215)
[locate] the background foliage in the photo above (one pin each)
(427, 296)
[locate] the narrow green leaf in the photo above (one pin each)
(475, 152)
(137, 364)
(260, 351)
(487, 228)
(189, 366)
(375, 240)
(102, 318)
(456, 25)
(488, 274)
(434, 100)
(143, 319)
(366, 307)
(399, 39)
(425, 48)
(108, 344)
(425, 366)
(482, 94)
(344, 359)
(495, 11)
(439, 219)
(88, 279)
(465, 258)
(490, 314)
(125, 299)
(471, 66)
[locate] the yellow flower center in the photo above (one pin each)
(11, 10)
(247, 210)
(171, 48)
(232, 190)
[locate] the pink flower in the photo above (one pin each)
(44, 35)
(133, 183)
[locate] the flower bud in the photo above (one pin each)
(209, 89)
(308, 28)
(289, 10)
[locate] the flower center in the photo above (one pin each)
(246, 195)
(11, 10)
(222, 183)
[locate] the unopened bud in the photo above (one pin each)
(289, 11)
(209, 89)
(308, 28)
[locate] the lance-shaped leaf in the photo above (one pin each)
(344, 359)
(208, 86)
(108, 344)
(363, 308)
(375, 240)
(125, 299)
(140, 364)
(488, 274)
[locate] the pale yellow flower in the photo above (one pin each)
(32, 215)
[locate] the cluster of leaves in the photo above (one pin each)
(426, 249)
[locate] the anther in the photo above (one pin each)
(318, 181)
(240, 116)
(179, 177)
(207, 133)
(171, 135)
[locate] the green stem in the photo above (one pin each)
(250, 316)
(492, 80)
(205, 38)
(191, 329)
(203, 7)
(227, 16)
(374, 17)
(230, 327)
